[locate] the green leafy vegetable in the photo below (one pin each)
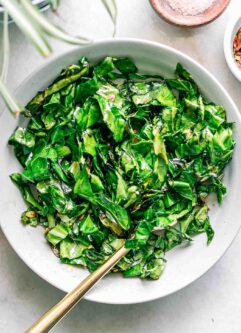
(57, 234)
(108, 162)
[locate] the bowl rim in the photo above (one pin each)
(230, 32)
(91, 297)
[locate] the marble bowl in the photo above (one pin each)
(165, 11)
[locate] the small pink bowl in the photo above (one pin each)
(165, 11)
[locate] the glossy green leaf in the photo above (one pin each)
(112, 157)
(57, 234)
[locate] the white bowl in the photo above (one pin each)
(232, 28)
(185, 264)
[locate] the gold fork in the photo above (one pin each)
(57, 312)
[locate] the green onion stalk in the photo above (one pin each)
(36, 27)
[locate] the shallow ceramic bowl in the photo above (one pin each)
(185, 264)
(231, 30)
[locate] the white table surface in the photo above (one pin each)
(211, 304)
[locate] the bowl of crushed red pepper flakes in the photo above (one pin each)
(232, 45)
(237, 47)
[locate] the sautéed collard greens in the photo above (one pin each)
(111, 156)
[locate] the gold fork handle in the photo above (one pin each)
(58, 311)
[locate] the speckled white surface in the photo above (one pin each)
(213, 303)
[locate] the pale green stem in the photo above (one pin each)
(9, 100)
(54, 4)
(5, 53)
(27, 26)
(48, 27)
(112, 10)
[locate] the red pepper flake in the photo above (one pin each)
(237, 47)
(111, 97)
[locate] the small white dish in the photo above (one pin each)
(185, 264)
(231, 30)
